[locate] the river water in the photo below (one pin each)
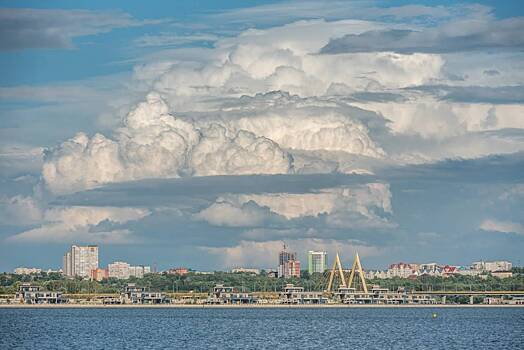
(262, 328)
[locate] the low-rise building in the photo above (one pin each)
(245, 270)
(181, 271)
(227, 295)
(466, 271)
(99, 274)
(33, 294)
(402, 270)
(133, 294)
(26, 270)
(297, 295)
(492, 266)
(502, 274)
(379, 295)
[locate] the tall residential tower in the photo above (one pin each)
(316, 262)
(80, 261)
(288, 264)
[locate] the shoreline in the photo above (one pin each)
(255, 306)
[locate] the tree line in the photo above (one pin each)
(203, 283)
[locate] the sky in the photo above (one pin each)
(206, 134)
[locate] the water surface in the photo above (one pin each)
(329, 328)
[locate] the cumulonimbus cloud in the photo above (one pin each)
(154, 144)
(265, 103)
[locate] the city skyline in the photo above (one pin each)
(83, 261)
(205, 134)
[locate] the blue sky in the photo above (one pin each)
(206, 133)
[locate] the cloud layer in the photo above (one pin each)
(80, 224)
(45, 28)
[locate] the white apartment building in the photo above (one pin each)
(26, 270)
(492, 266)
(118, 269)
(123, 270)
(246, 270)
(316, 262)
(402, 270)
(80, 261)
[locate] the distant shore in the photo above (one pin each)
(244, 306)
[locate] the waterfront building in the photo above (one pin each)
(379, 295)
(227, 295)
(99, 274)
(297, 295)
(26, 270)
(316, 262)
(133, 294)
(33, 294)
(288, 264)
(492, 266)
(246, 270)
(80, 261)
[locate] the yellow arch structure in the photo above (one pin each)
(337, 267)
(358, 266)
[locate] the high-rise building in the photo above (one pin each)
(288, 264)
(80, 261)
(316, 262)
(67, 269)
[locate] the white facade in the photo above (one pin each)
(80, 261)
(123, 270)
(245, 270)
(26, 270)
(316, 262)
(492, 266)
(402, 270)
(118, 269)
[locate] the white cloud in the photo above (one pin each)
(492, 225)
(198, 121)
(78, 224)
(20, 210)
(154, 144)
(265, 254)
(222, 213)
(347, 207)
